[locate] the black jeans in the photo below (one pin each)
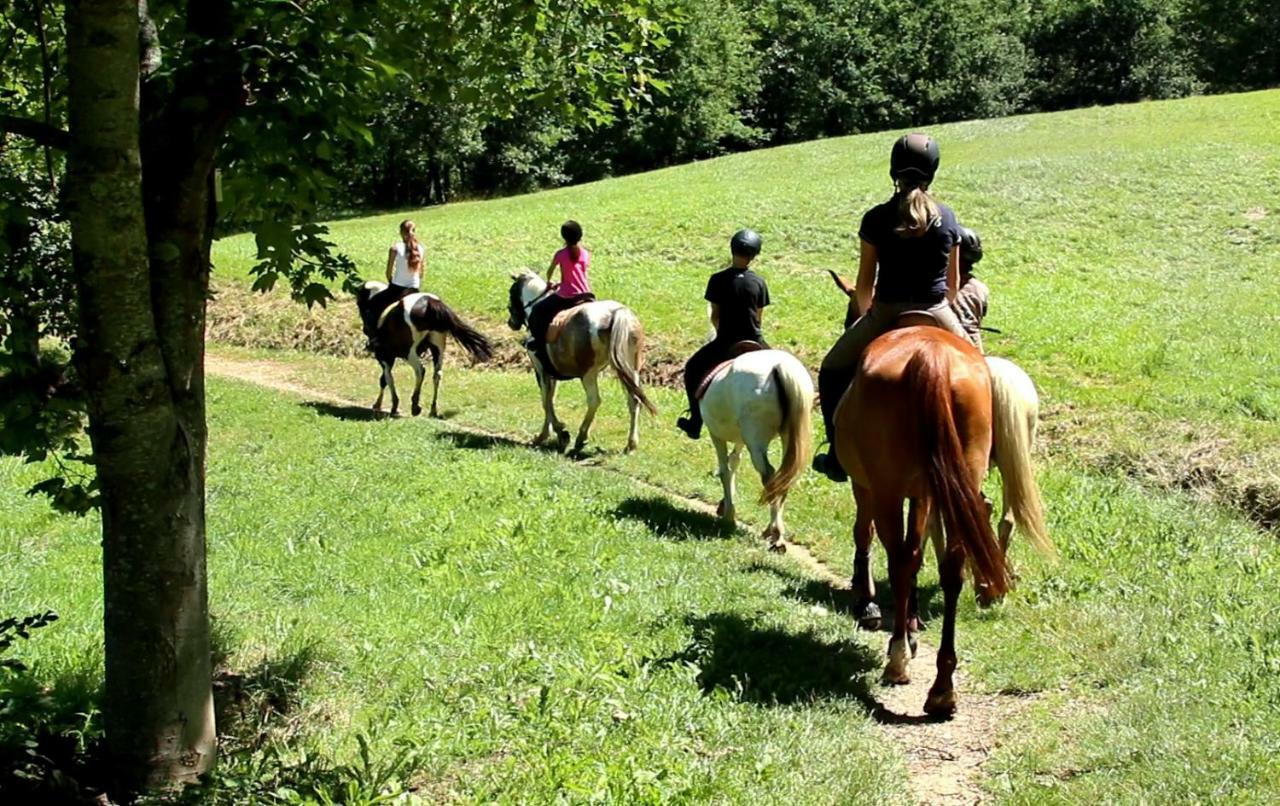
(378, 303)
(703, 361)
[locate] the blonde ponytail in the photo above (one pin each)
(916, 211)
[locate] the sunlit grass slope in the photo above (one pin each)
(1131, 252)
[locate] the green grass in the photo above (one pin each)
(1130, 252)
(517, 623)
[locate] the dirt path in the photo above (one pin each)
(944, 758)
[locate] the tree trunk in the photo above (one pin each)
(145, 422)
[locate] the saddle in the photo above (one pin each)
(915, 319)
(736, 350)
(408, 301)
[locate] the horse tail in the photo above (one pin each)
(441, 318)
(1016, 407)
(626, 337)
(795, 397)
(928, 380)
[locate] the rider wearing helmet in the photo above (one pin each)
(909, 262)
(737, 296)
(973, 297)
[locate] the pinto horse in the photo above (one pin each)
(916, 426)
(749, 401)
(591, 337)
(408, 328)
(1016, 408)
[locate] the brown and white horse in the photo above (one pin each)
(594, 336)
(411, 326)
(916, 426)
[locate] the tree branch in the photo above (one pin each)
(42, 133)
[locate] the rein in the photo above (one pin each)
(536, 300)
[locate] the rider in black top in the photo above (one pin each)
(737, 296)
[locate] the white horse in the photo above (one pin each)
(760, 395)
(593, 336)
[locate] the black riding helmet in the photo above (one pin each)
(914, 156)
(745, 242)
(970, 247)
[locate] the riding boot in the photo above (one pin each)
(831, 387)
(691, 425)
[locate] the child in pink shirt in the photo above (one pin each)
(574, 289)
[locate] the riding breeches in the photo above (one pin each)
(881, 318)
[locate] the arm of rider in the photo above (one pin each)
(391, 263)
(551, 270)
(713, 311)
(865, 288)
(953, 274)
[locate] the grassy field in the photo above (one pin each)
(1130, 251)
(520, 627)
(501, 624)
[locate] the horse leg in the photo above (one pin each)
(903, 559)
(759, 450)
(437, 372)
(390, 378)
(919, 519)
(633, 435)
(419, 372)
(547, 386)
(728, 464)
(942, 695)
(864, 584)
(382, 386)
(591, 383)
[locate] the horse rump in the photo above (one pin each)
(431, 314)
(928, 380)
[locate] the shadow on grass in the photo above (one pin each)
(842, 600)
(771, 666)
(342, 412)
(471, 441)
(670, 521)
(51, 739)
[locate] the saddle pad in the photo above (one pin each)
(720, 369)
(560, 320)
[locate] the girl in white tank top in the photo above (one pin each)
(404, 261)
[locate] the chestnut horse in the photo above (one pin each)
(916, 425)
(1016, 410)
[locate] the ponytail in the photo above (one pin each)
(917, 211)
(412, 250)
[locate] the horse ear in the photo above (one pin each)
(841, 283)
(515, 276)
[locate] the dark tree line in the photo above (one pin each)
(745, 73)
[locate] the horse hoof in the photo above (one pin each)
(630, 449)
(870, 618)
(539, 439)
(433, 414)
(416, 410)
(720, 509)
(778, 547)
(895, 677)
(941, 704)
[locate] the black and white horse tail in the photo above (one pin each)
(626, 338)
(440, 318)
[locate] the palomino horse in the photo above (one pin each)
(916, 426)
(591, 337)
(748, 401)
(1016, 408)
(406, 329)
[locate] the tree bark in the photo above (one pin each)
(146, 422)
